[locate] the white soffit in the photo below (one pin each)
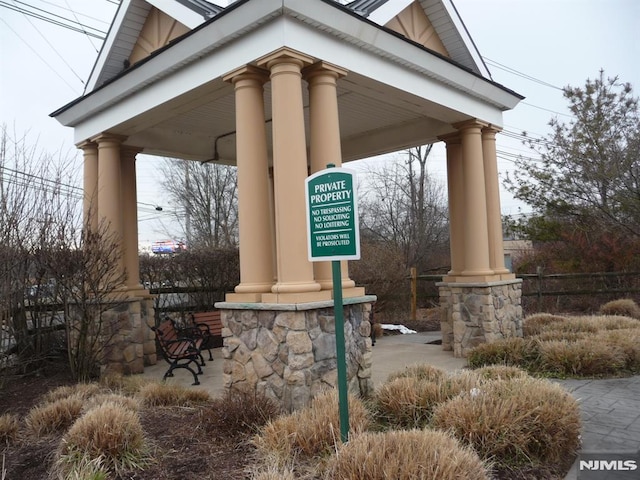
(389, 10)
(179, 12)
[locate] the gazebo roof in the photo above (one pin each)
(413, 72)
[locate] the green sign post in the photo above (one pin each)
(333, 234)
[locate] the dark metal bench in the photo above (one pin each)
(179, 351)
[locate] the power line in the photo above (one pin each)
(513, 71)
(78, 27)
(53, 48)
(37, 54)
(76, 17)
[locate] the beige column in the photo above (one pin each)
(254, 217)
(90, 186)
(494, 216)
(109, 200)
(295, 281)
(325, 146)
(476, 236)
(129, 196)
(455, 184)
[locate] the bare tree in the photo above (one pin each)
(54, 278)
(208, 194)
(404, 207)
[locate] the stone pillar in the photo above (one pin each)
(325, 148)
(109, 197)
(480, 313)
(476, 236)
(128, 194)
(494, 216)
(90, 186)
(455, 183)
(295, 282)
(256, 247)
(289, 355)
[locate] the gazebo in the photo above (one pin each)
(281, 88)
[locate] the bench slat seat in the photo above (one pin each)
(178, 351)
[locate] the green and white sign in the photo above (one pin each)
(332, 215)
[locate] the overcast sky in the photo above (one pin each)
(557, 42)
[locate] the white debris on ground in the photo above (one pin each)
(401, 328)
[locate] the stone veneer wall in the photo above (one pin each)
(132, 345)
(290, 355)
(472, 314)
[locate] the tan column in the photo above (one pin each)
(109, 200)
(90, 186)
(476, 236)
(455, 184)
(325, 145)
(254, 217)
(492, 187)
(294, 271)
(129, 196)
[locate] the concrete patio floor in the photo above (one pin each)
(391, 353)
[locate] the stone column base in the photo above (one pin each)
(475, 313)
(131, 345)
(287, 352)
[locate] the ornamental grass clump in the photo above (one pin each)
(406, 455)
(81, 390)
(310, 432)
(420, 371)
(499, 372)
(54, 416)
(165, 395)
(588, 357)
(517, 423)
(536, 323)
(515, 351)
(408, 401)
(113, 398)
(9, 428)
(107, 437)
(238, 413)
(624, 307)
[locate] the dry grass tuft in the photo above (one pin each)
(519, 422)
(311, 432)
(108, 436)
(500, 372)
(113, 398)
(82, 390)
(54, 416)
(534, 324)
(239, 413)
(9, 428)
(624, 307)
(587, 357)
(271, 472)
(521, 352)
(628, 342)
(421, 371)
(127, 385)
(164, 395)
(406, 455)
(408, 402)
